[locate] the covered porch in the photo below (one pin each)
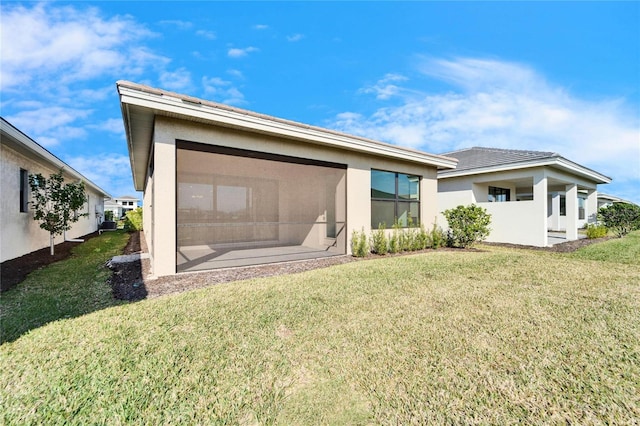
(526, 205)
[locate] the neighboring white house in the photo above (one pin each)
(119, 206)
(228, 187)
(527, 193)
(20, 157)
(606, 200)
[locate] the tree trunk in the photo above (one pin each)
(51, 242)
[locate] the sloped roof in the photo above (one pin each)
(478, 157)
(140, 105)
(485, 160)
(16, 139)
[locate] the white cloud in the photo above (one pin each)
(179, 79)
(386, 87)
(504, 105)
(181, 25)
(239, 53)
(50, 125)
(295, 37)
(260, 27)
(223, 91)
(112, 125)
(63, 44)
(236, 73)
(111, 172)
(210, 35)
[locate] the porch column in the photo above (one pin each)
(164, 205)
(539, 227)
(572, 212)
(554, 223)
(592, 206)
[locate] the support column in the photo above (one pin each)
(592, 206)
(164, 205)
(539, 227)
(554, 223)
(572, 212)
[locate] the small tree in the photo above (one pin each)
(621, 218)
(56, 203)
(467, 225)
(133, 220)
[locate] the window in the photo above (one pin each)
(24, 190)
(563, 205)
(499, 195)
(394, 196)
(581, 209)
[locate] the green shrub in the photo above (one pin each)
(408, 236)
(596, 231)
(359, 244)
(394, 240)
(133, 220)
(108, 216)
(379, 240)
(437, 237)
(467, 225)
(621, 218)
(421, 239)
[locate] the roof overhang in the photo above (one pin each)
(555, 162)
(15, 139)
(141, 104)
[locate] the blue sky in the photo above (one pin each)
(435, 76)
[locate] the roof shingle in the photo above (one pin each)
(480, 157)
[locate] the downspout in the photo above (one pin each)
(71, 240)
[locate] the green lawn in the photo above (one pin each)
(499, 336)
(66, 289)
(617, 250)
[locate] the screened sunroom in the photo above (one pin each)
(238, 207)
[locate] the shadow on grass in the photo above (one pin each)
(65, 289)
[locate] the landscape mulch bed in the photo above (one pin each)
(132, 280)
(16, 270)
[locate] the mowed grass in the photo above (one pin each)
(65, 289)
(616, 250)
(498, 336)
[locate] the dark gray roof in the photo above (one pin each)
(479, 157)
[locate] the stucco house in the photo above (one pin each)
(21, 156)
(527, 193)
(229, 187)
(119, 206)
(606, 200)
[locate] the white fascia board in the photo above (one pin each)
(557, 162)
(262, 124)
(40, 152)
(583, 171)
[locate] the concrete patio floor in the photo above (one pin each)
(555, 237)
(199, 258)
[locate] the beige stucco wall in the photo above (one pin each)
(358, 179)
(20, 233)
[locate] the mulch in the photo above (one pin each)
(14, 271)
(131, 281)
(567, 247)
